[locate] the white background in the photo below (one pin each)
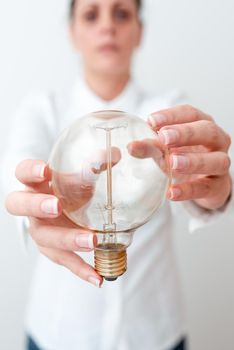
(188, 45)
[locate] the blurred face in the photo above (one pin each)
(106, 33)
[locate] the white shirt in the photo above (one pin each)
(143, 308)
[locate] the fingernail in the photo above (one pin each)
(85, 240)
(169, 136)
(95, 281)
(96, 167)
(157, 120)
(39, 170)
(179, 162)
(175, 193)
(50, 206)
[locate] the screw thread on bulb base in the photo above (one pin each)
(110, 260)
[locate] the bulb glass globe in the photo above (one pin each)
(111, 173)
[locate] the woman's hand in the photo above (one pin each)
(56, 236)
(198, 155)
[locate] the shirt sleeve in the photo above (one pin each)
(31, 136)
(200, 218)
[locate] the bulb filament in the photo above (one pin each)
(109, 205)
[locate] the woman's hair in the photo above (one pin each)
(73, 2)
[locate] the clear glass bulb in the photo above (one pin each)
(111, 173)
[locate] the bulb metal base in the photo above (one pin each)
(110, 260)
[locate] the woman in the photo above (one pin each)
(142, 308)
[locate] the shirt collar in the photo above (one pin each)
(84, 100)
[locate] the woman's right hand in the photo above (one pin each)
(55, 235)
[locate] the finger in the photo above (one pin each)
(202, 132)
(43, 187)
(31, 171)
(98, 163)
(38, 205)
(177, 115)
(76, 189)
(205, 187)
(212, 163)
(149, 148)
(75, 264)
(84, 179)
(63, 238)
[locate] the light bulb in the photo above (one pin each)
(111, 173)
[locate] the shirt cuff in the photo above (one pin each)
(200, 218)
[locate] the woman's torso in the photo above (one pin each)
(140, 309)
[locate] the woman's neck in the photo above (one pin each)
(107, 86)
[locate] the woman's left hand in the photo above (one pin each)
(198, 155)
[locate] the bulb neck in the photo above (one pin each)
(110, 260)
